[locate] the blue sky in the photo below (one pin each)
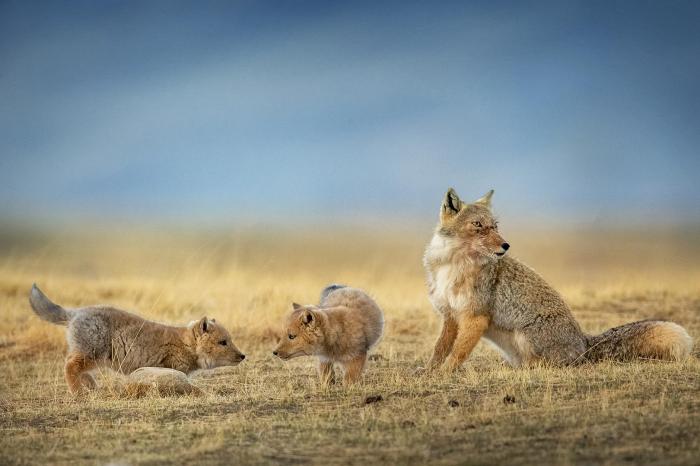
(333, 111)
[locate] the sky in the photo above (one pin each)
(326, 112)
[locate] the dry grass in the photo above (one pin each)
(267, 411)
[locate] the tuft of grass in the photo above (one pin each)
(268, 411)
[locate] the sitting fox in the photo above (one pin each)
(341, 329)
(102, 336)
(480, 292)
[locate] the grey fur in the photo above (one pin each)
(46, 309)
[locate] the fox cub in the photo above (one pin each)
(341, 329)
(102, 336)
(481, 292)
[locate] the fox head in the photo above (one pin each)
(304, 336)
(472, 225)
(213, 345)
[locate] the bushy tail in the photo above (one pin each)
(647, 339)
(328, 290)
(47, 310)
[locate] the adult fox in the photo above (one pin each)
(481, 292)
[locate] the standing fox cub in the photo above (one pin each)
(480, 292)
(101, 336)
(341, 329)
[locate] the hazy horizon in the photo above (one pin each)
(576, 113)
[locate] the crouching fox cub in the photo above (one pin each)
(481, 292)
(102, 336)
(341, 329)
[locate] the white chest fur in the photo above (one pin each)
(445, 271)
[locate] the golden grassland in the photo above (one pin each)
(269, 411)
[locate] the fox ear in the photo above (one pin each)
(307, 318)
(296, 306)
(485, 199)
(202, 326)
(451, 204)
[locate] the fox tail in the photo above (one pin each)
(328, 290)
(646, 339)
(46, 309)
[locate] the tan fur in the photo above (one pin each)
(666, 341)
(342, 329)
(76, 372)
(102, 336)
(446, 340)
(480, 292)
(470, 330)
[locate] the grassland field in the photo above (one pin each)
(266, 411)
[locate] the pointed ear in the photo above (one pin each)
(485, 199)
(451, 204)
(296, 306)
(202, 326)
(307, 318)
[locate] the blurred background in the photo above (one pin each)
(338, 113)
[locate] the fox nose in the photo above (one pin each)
(275, 353)
(505, 246)
(242, 357)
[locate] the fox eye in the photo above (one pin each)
(223, 343)
(291, 337)
(477, 224)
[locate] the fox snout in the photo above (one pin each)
(288, 354)
(280, 354)
(504, 247)
(495, 244)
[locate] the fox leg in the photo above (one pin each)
(76, 369)
(444, 343)
(353, 368)
(471, 328)
(325, 372)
